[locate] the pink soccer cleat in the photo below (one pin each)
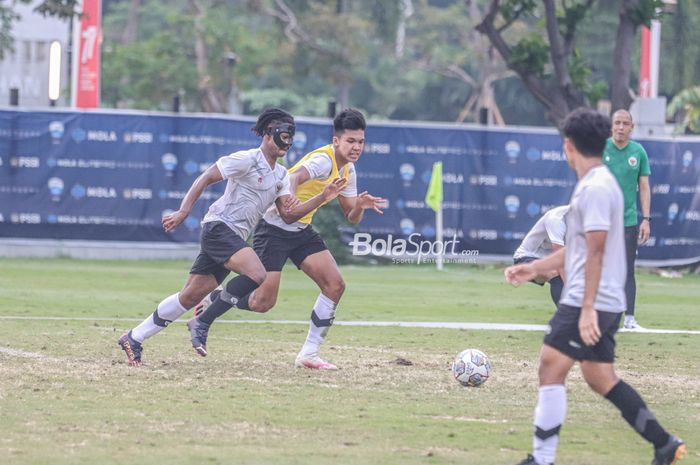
(313, 362)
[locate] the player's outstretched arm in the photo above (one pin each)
(518, 274)
(291, 209)
(210, 176)
(354, 207)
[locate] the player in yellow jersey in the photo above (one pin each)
(276, 241)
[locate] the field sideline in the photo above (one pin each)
(67, 397)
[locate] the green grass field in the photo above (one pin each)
(68, 397)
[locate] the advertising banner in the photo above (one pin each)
(111, 176)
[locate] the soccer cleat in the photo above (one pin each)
(669, 454)
(199, 331)
(632, 324)
(313, 362)
(132, 348)
(529, 460)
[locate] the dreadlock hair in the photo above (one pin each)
(269, 116)
(349, 119)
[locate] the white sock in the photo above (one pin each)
(169, 310)
(323, 313)
(629, 318)
(549, 416)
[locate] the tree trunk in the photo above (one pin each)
(406, 8)
(211, 100)
(131, 30)
(626, 31)
(344, 95)
(551, 96)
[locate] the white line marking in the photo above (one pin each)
(406, 324)
(24, 354)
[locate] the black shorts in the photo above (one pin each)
(564, 335)
(275, 245)
(218, 243)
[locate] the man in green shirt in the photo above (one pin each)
(629, 162)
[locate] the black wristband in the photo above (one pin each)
(648, 218)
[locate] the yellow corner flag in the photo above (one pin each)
(433, 198)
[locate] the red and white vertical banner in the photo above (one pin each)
(87, 38)
(649, 62)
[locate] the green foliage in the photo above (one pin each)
(569, 18)
(686, 107)
(256, 100)
(596, 91)
(63, 9)
(328, 221)
(531, 53)
(646, 11)
(680, 42)
(580, 72)
(147, 74)
(511, 9)
(7, 17)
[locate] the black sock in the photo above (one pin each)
(635, 411)
(239, 286)
(243, 303)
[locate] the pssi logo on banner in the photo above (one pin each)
(413, 248)
(138, 137)
(24, 162)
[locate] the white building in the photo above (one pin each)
(27, 69)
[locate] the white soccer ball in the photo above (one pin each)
(471, 367)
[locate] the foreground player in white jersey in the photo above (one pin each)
(276, 240)
(593, 301)
(545, 237)
(254, 182)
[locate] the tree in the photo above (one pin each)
(548, 62)
(685, 106)
(64, 9)
(439, 45)
(185, 48)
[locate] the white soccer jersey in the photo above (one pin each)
(550, 229)
(596, 205)
(319, 167)
(251, 189)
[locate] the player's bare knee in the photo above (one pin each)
(189, 298)
(334, 289)
(600, 381)
(549, 372)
